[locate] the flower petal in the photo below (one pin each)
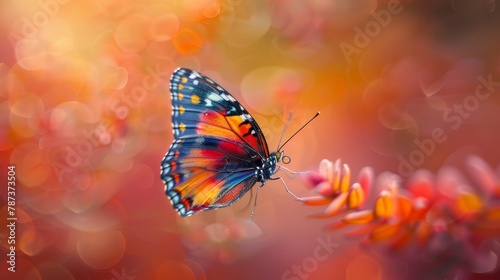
(335, 176)
(365, 179)
(422, 184)
(401, 241)
(420, 207)
(356, 196)
(359, 217)
(325, 189)
(326, 169)
(345, 181)
(384, 232)
(405, 207)
(316, 200)
(384, 205)
(468, 204)
(312, 178)
(336, 204)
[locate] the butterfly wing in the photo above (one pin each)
(205, 172)
(202, 107)
(217, 146)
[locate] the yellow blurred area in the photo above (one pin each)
(85, 118)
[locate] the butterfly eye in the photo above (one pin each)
(278, 155)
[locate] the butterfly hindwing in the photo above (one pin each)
(217, 150)
(206, 172)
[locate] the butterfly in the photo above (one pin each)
(219, 151)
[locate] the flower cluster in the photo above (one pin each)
(441, 225)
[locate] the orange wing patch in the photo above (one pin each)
(232, 195)
(212, 123)
(195, 99)
(182, 127)
(200, 185)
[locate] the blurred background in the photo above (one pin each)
(85, 114)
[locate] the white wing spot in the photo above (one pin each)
(247, 117)
(170, 183)
(194, 75)
(166, 168)
(231, 98)
(214, 97)
(175, 199)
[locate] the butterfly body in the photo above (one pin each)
(219, 152)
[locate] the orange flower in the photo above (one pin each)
(436, 222)
(333, 184)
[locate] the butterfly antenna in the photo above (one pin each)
(315, 116)
(284, 129)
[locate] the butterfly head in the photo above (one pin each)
(280, 157)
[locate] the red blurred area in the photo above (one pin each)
(85, 117)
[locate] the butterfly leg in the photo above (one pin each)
(291, 171)
(255, 202)
(286, 188)
(249, 201)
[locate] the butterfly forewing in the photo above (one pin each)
(217, 147)
(201, 106)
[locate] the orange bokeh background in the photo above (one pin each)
(85, 116)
